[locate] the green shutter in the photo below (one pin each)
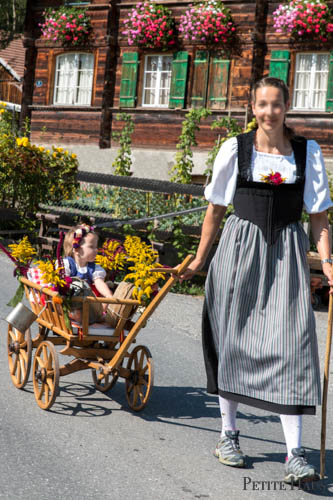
(218, 82)
(178, 80)
(329, 98)
(129, 75)
(279, 65)
(200, 79)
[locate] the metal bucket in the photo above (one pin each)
(21, 317)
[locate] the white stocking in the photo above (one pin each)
(292, 428)
(228, 410)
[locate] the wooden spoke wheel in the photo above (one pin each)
(139, 383)
(46, 374)
(19, 346)
(104, 382)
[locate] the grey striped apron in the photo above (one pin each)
(259, 328)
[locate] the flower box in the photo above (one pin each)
(303, 19)
(70, 26)
(150, 26)
(208, 23)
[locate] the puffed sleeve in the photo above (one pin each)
(316, 190)
(221, 189)
(98, 273)
(66, 266)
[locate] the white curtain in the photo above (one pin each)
(74, 79)
(85, 79)
(311, 79)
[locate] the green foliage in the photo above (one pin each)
(183, 243)
(123, 161)
(184, 157)
(12, 16)
(125, 203)
(30, 174)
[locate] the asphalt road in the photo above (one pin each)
(91, 446)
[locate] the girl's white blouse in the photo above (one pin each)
(98, 273)
(222, 187)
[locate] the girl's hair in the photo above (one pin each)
(71, 241)
(270, 81)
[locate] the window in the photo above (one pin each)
(74, 79)
(157, 81)
(311, 81)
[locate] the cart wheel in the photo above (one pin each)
(140, 382)
(46, 374)
(19, 348)
(103, 382)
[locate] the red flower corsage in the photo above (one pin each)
(274, 178)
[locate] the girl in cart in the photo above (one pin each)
(80, 248)
(259, 337)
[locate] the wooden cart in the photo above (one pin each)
(102, 351)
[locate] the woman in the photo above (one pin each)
(259, 339)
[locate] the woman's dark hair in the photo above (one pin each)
(270, 81)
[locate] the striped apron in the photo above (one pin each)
(259, 338)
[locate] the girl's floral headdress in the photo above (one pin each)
(80, 233)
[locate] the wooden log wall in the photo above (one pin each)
(70, 124)
(250, 59)
(163, 126)
(10, 89)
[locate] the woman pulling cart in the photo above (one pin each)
(259, 338)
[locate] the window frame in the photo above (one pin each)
(54, 89)
(312, 88)
(142, 79)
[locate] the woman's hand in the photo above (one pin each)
(327, 270)
(195, 266)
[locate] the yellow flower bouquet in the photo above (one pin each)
(133, 260)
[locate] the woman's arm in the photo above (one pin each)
(322, 237)
(210, 227)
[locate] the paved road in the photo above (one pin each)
(89, 445)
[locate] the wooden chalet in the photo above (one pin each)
(12, 71)
(78, 106)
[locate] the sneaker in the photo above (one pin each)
(228, 451)
(297, 468)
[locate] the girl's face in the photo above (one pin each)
(88, 249)
(269, 109)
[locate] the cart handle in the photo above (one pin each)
(174, 270)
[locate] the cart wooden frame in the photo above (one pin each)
(103, 354)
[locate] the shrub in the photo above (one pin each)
(31, 174)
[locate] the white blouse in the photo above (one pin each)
(98, 273)
(222, 187)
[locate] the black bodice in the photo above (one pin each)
(270, 207)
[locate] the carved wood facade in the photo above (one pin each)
(220, 81)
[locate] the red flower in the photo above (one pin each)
(274, 178)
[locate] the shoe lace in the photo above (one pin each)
(300, 462)
(235, 443)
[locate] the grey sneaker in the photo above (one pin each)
(228, 451)
(297, 468)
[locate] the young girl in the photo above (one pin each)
(80, 248)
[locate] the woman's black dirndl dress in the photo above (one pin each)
(259, 338)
